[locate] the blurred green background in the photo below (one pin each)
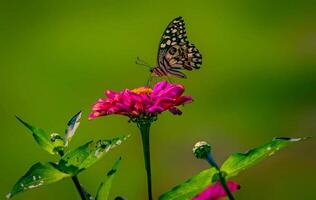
(257, 81)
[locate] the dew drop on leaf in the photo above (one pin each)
(8, 196)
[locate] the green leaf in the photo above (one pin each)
(73, 124)
(238, 162)
(191, 187)
(86, 155)
(51, 143)
(104, 188)
(38, 175)
(231, 167)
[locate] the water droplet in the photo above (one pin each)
(36, 185)
(108, 149)
(98, 153)
(8, 196)
(54, 136)
(295, 139)
(269, 148)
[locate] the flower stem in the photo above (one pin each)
(82, 193)
(75, 180)
(145, 129)
(222, 179)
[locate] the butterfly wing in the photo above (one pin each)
(174, 34)
(175, 52)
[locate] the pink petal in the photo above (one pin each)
(110, 94)
(133, 96)
(175, 111)
(113, 110)
(101, 106)
(216, 191)
(154, 109)
(183, 100)
(165, 103)
(175, 90)
(172, 91)
(159, 86)
(94, 115)
(164, 96)
(123, 107)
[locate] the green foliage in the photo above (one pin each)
(73, 124)
(231, 167)
(54, 143)
(70, 163)
(240, 161)
(38, 175)
(104, 188)
(51, 143)
(191, 187)
(84, 156)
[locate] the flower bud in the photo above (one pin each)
(201, 149)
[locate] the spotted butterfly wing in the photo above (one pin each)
(175, 52)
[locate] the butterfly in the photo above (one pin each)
(175, 52)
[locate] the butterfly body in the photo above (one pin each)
(176, 52)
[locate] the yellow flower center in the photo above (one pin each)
(140, 90)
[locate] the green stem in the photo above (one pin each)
(82, 193)
(75, 180)
(145, 129)
(222, 179)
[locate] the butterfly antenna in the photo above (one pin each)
(142, 62)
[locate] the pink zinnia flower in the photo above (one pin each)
(142, 105)
(216, 191)
(142, 101)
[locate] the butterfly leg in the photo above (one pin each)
(170, 81)
(150, 78)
